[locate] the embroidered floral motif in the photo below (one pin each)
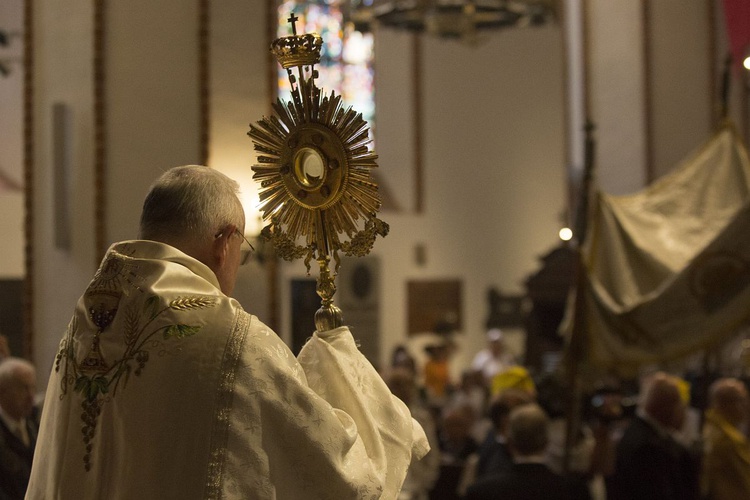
(97, 383)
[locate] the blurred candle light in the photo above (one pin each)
(248, 194)
(253, 216)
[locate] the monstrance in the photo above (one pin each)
(314, 166)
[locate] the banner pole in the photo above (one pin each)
(578, 333)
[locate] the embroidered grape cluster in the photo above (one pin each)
(59, 356)
(141, 357)
(91, 410)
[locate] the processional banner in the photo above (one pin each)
(667, 270)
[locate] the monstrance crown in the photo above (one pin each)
(297, 50)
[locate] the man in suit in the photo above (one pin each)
(650, 463)
(18, 429)
(529, 478)
(494, 457)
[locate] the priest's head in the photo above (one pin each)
(196, 209)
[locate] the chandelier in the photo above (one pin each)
(459, 19)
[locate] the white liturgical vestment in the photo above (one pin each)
(164, 388)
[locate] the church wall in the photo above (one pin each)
(495, 164)
(62, 75)
(682, 106)
(395, 123)
(11, 143)
(11, 224)
(650, 85)
(616, 93)
(152, 91)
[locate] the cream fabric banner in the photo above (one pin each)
(668, 268)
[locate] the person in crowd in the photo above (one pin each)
(402, 358)
(608, 415)
(423, 473)
(494, 358)
(164, 387)
(456, 447)
(470, 391)
(493, 455)
(726, 461)
(567, 454)
(18, 426)
(650, 463)
(511, 387)
(529, 477)
(472, 395)
(437, 373)
(515, 376)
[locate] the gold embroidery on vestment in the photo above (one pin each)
(224, 398)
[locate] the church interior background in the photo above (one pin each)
(480, 144)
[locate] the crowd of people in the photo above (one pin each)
(501, 432)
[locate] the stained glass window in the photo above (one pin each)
(347, 55)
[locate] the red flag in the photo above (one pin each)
(737, 15)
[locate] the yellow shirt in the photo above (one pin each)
(726, 460)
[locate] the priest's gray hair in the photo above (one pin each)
(190, 204)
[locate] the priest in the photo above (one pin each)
(164, 387)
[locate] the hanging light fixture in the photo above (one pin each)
(459, 19)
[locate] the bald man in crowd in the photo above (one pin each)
(18, 429)
(650, 463)
(528, 477)
(726, 459)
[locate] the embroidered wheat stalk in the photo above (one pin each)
(185, 303)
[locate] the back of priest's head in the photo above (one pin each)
(188, 205)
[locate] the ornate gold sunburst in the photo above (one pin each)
(314, 168)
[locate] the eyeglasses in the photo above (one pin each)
(244, 251)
